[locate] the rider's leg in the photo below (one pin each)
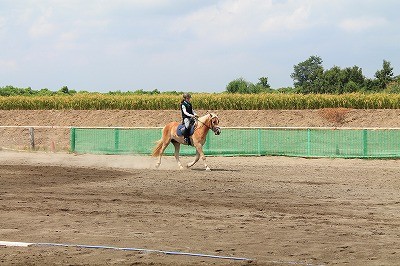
(186, 134)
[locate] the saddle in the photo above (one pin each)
(180, 131)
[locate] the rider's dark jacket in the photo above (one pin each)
(188, 107)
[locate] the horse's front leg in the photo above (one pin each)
(200, 154)
(196, 158)
(177, 146)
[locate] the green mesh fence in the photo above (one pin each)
(303, 142)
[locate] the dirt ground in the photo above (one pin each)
(271, 210)
(228, 118)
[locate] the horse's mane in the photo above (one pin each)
(203, 119)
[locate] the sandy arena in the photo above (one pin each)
(272, 210)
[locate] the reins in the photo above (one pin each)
(198, 120)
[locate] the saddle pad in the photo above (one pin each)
(181, 128)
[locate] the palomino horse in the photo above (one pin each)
(169, 134)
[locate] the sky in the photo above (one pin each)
(188, 45)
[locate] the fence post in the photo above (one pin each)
(32, 138)
(259, 141)
(308, 141)
(116, 139)
(365, 142)
(72, 139)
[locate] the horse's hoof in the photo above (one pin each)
(208, 169)
(157, 165)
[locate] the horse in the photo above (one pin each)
(170, 134)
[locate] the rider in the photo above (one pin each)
(188, 115)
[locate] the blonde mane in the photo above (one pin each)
(203, 119)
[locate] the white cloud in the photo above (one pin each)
(361, 24)
(291, 21)
(68, 41)
(43, 27)
(7, 65)
(240, 20)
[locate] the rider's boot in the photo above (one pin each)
(187, 137)
(187, 140)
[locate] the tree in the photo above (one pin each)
(45, 92)
(385, 75)
(349, 79)
(239, 85)
(307, 74)
(63, 90)
(394, 86)
(352, 79)
(331, 80)
(263, 81)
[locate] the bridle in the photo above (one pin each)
(214, 128)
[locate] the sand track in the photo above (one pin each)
(275, 210)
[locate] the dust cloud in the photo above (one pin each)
(88, 160)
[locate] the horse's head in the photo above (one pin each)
(214, 122)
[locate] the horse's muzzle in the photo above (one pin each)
(217, 130)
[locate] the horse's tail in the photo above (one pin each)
(157, 149)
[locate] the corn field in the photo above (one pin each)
(205, 101)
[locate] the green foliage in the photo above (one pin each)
(394, 86)
(12, 91)
(263, 82)
(64, 90)
(238, 86)
(286, 90)
(243, 86)
(307, 74)
(137, 92)
(385, 75)
(45, 92)
(337, 80)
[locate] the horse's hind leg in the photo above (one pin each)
(177, 146)
(163, 147)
